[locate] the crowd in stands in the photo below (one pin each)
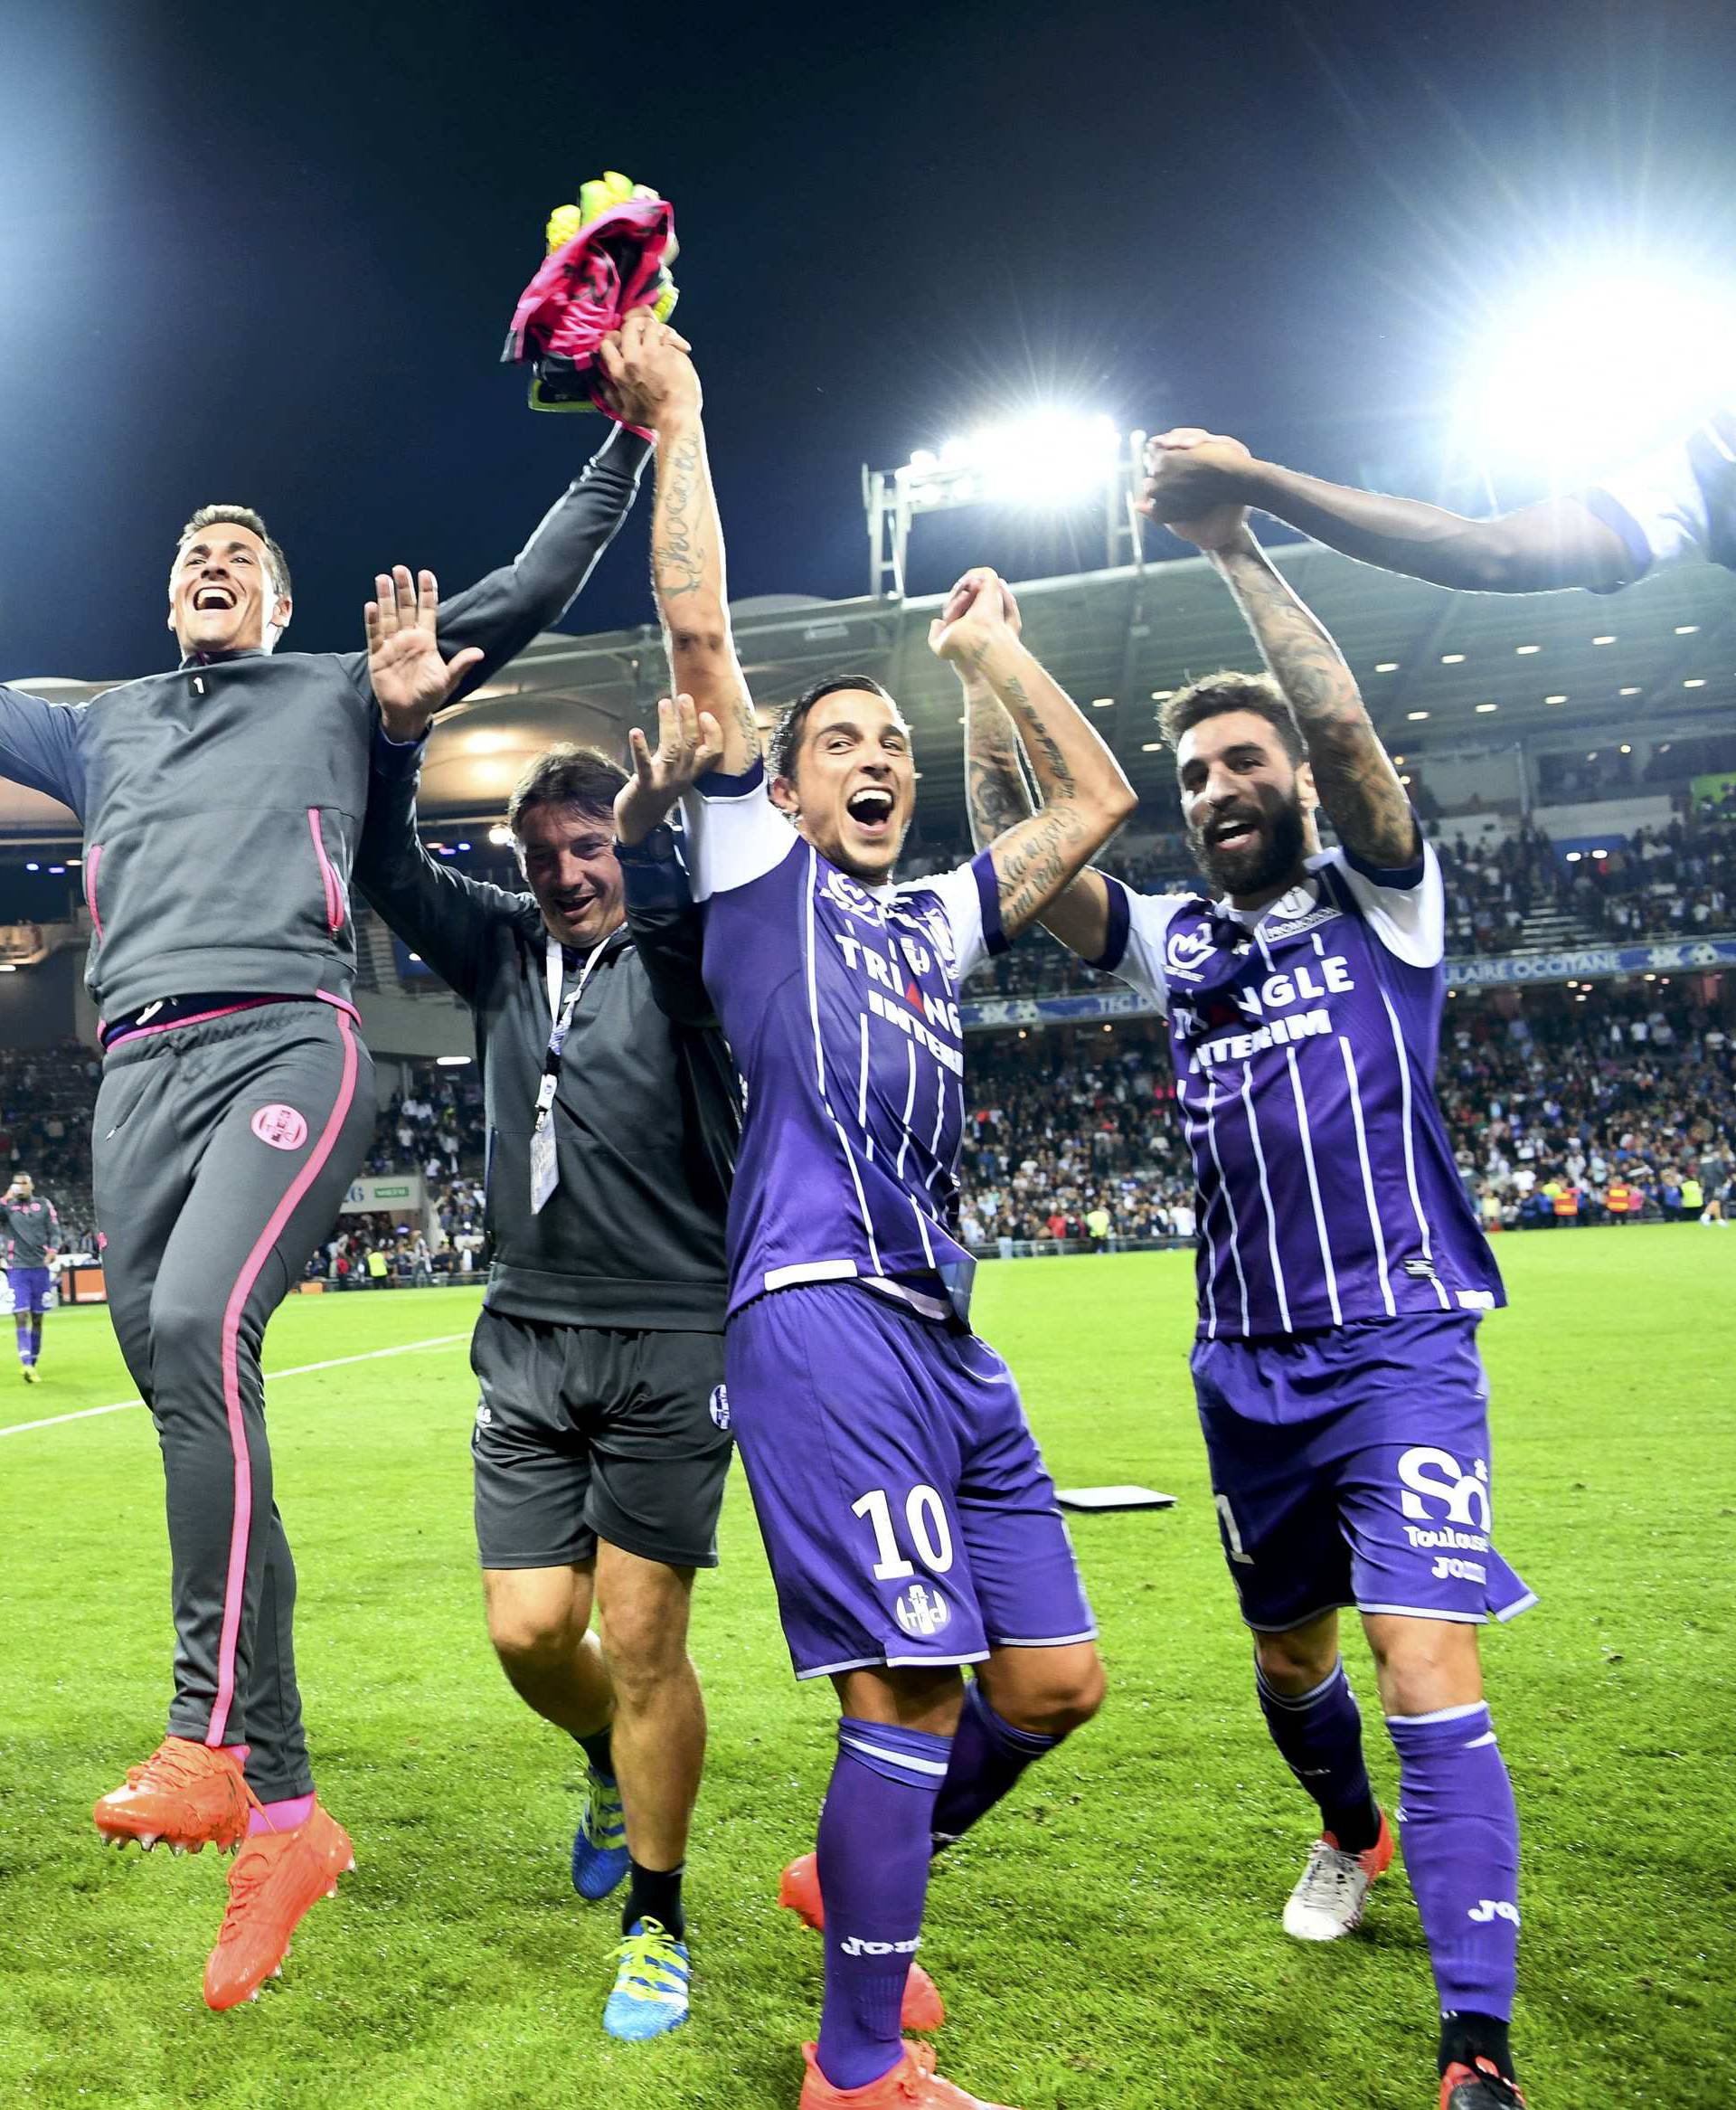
(1621, 1113)
(1617, 1109)
(433, 1128)
(47, 1098)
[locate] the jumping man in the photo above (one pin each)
(601, 1448)
(1341, 1274)
(911, 1524)
(221, 806)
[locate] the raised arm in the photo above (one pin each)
(501, 613)
(1084, 797)
(1559, 542)
(666, 921)
(997, 793)
(442, 915)
(40, 746)
(654, 382)
(1353, 772)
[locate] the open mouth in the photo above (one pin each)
(871, 809)
(213, 597)
(1231, 831)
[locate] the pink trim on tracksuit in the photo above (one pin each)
(328, 879)
(242, 1524)
(92, 860)
(197, 1018)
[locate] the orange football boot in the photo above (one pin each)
(186, 1794)
(912, 2085)
(277, 1877)
(799, 1890)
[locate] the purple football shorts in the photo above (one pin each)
(30, 1288)
(907, 1513)
(1350, 1466)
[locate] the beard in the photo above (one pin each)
(1267, 859)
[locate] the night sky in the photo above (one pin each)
(269, 254)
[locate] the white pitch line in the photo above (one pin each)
(84, 1413)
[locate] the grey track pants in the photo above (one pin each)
(221, 1153)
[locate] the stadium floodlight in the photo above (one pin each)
(1049, 459)
(1597, 363)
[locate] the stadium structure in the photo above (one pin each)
(1588, 720)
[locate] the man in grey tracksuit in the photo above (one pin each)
(221, 804)
(600, 1444)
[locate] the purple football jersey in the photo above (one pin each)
(1304, 1039)
(840, 1005)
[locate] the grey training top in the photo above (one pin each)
(32, 1231)
(221, 804)
(646, 1112)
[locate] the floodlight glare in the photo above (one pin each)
(1050, 458)
(1596, 367)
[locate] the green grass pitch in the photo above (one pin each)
(1110, 1940)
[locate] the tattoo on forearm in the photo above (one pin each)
(1034, 863)
(678, 549)
(997, 794)
(687, 567)
(1054, 770)
(1358, 785)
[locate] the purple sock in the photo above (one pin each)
(1319, 1735)
(21, 1326)
(988, 1755)
(35, 1338)
(1460, 1834)
(874, 1876)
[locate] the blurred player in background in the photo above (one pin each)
(911, 1524)
(221, 806)
(33, 1234)
(601, 1443)
(1340, 1273)
(1678, 507)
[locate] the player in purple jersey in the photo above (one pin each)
(1678, 507)
(1340, 1273)
(911, 1524)
(33, 1239)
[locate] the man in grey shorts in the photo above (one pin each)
(600, 1445)
(220, 804)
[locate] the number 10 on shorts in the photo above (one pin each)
(925, 1519)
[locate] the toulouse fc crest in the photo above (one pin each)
(720, 1406)
(921, 1611)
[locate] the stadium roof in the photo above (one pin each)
(1658, 660)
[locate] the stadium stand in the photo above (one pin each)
(1589, 854)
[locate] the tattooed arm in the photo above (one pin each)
(1354, 773)
(998, 795)
(1085, 798)
(655, 386)
(1558, 542)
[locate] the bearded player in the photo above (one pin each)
(1341, 1274)
(1676, 507)
(911, 1524)
(33, 1234)
(222, 805)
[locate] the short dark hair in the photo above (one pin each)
(786, 733)
(1214, 694)
(243, 517)
(566, 776)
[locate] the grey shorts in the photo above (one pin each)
(586, 1432)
